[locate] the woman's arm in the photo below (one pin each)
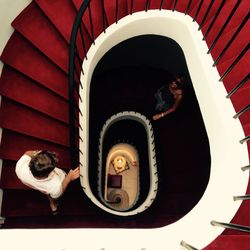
(176, 104)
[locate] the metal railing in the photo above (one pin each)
(79, 48)
(82, 38)
(231, 226)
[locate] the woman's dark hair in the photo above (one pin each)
(180, 80)
(43, 163)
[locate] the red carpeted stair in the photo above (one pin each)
(34, 110)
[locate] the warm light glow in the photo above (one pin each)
(119, 163)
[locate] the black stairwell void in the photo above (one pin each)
(182, 145)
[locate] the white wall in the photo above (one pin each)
(9, 9)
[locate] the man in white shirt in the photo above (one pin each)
(37, 169)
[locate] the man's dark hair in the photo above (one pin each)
(43, 163)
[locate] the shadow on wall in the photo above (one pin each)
(152, 50)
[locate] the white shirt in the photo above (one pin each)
(52, 185)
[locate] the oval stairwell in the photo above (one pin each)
(34, 106)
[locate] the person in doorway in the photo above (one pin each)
(169, 97)
(38, 170)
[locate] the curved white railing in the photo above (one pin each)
(130, 115)
(224, 133)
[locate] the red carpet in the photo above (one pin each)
(34, 114)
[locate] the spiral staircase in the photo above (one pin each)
(34, 105)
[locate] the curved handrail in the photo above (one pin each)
(131, 115)
(72, 49)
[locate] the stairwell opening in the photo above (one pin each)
(125, 79)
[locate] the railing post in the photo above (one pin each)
(188, 7)
(198, 10)
(231, 226)
(214, 19)
(187, 246)
(238, 86)
(245, 168)
(224, 26)
(175, 3)
(243, 52)
(241, 197)
(206, 14)
(232, 39)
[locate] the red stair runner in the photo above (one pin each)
(24, 57)
(34, 89)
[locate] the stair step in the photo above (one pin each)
(239, 71)
(9, 178)
(220, 20)
(232, 242)
(141, 5)
(83, 221)
(61, 13)
(24, 202)
(236, 20)
(247, 133)
(182, 6)
(52, 222)
(14, 144)
(110, 9)
(235, 48)
(34, 203)
(203, 11)
(23, 56)
(241, 98)
(30, 122)
(137, 6)
(246, 129)
(242, 217)
(13, 85)
(97, 17)
(30, 23)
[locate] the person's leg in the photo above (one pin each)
(53, 205)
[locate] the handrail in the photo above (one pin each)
(75, 70)
(72, 48)
(187, 246)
